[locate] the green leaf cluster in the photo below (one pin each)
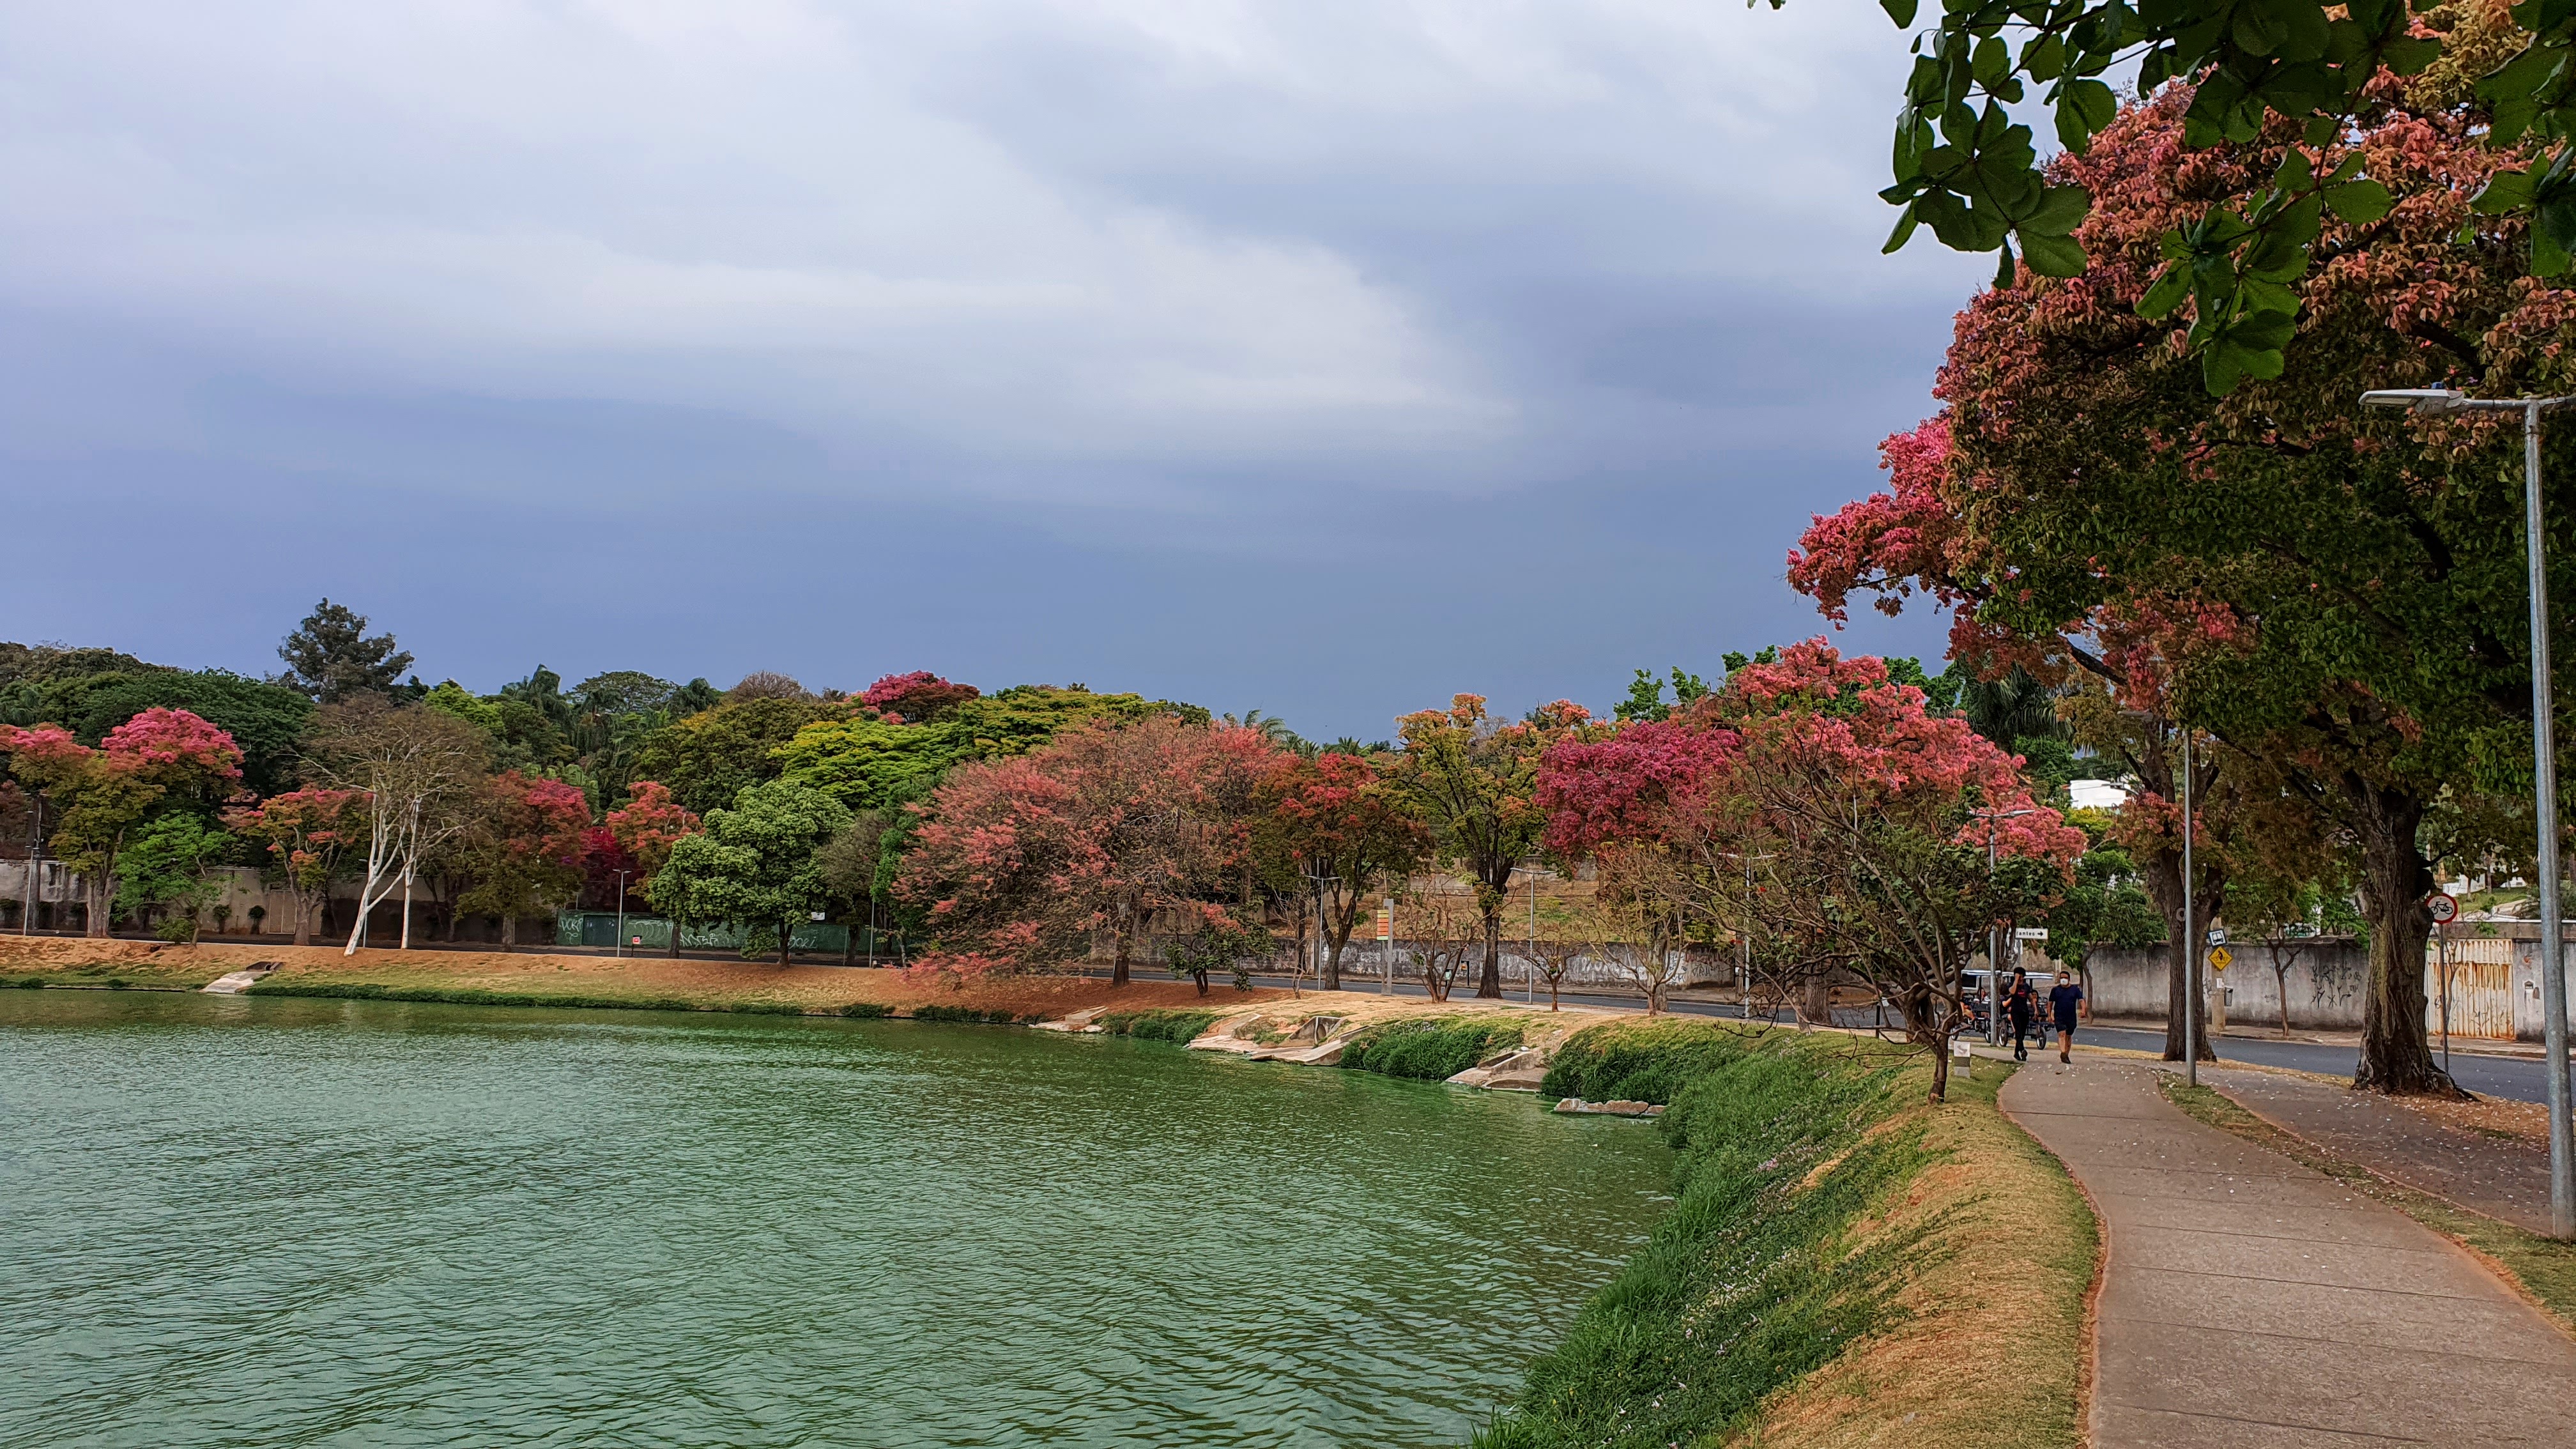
(1964, 168)
(865, 762)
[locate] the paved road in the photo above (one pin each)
(2247, 1301)
(2516, 1079)
(2519, 1079)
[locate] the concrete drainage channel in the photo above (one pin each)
(234, 983)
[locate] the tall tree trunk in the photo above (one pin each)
(786, 937)
(1818, 1008)
(675, 938)
(305, 909)
(1489, 982)
(1329, 976)
(2396, 1049)
(509, 930)
(101, 895)
(2163, 873)
(406, 914)
(1122, 943)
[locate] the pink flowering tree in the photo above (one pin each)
(311, 836)
(525, 849)
(158, 759)
(1861, 821)
(1022, 864)
(917, 697)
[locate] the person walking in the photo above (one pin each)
(2022, 1002)
(2066, 1001)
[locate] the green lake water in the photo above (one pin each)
(234, 1222)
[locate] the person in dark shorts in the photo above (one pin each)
(2066, 1000)
(2022, 1002)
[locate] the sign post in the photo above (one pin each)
(2444, 908)
(1386, 942)
(2220, 958)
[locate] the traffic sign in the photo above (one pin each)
(2030, 933)
(1386, 919)
(2445, 908)
(2218, 935)
(2219, 958)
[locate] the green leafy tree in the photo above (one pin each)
(866, 762)
(452, 698)
(164, 868)
(330, 657)
(759, 861)
(2104, 906)
(1646, 695)
(1472, 781)
(267, 721)
(708, 758)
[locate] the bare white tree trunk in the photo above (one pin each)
(384, 838)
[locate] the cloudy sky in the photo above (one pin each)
(1314, 356)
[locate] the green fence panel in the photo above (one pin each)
(600, 929)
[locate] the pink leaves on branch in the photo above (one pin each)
(917, 696)
(649, 824)
(1620, 788)
(171, 748)
(172, 743)
(1816, 716)
(1020, 862)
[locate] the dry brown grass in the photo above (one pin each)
(1990, 1347)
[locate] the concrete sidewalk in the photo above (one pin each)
(2248, 1301)
(2505, 1178)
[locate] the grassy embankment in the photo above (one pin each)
(2544, 1269)
(1430, 1048)
(1844, 1265)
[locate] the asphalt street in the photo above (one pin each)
(2515, 1078)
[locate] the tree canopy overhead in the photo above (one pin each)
(2295, 68)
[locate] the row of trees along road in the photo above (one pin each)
(2329, 601)
(1827, 815)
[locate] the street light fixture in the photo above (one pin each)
(1994, 933)
(2439, 402)
(1744, 937)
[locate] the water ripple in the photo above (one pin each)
(289, 1223)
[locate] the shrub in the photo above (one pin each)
(1159, 1024)
(32, 983)
(118, 983)
(1429, 1048)
(967, 1014)
(868, 1010)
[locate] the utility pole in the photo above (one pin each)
(1994, 933)
(2191, 933)
(621, 915)
(2544, 760)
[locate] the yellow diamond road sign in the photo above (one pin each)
(2220, 957)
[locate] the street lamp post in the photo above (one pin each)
(2544, 760)
(621, 915)
(1994, 933)
(1316, 881)
(1744, 935)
